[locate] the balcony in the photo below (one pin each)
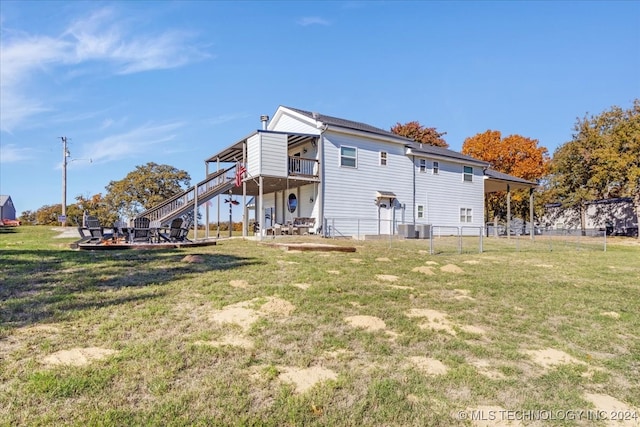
(300, 167)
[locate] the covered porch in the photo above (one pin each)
(495, 181)
(269, 163)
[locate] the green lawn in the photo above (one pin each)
(248, 334)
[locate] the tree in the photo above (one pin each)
(414, 130)
(514, 155)
(28, 217)
(97, 206)
(144, 188)
(602, 160)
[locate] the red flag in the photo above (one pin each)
(240, 171)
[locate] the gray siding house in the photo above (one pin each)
(7, 209)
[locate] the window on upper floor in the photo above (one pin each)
(423, 165)
(466, 215)
(468, 174)
(383, 158)
(436, 168)
(348, 157)
(420, 211)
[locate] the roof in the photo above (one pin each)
(4, 199)
(498, 181)
(432, 150)
(348, 124)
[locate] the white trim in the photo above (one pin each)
(465, 174)
(468, 215)
(354, 158)
(381, 158)
(435, 170)
(420, 166)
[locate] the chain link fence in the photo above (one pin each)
(437, 239)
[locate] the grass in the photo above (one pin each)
(155, 311)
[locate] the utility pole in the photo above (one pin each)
(65, 154)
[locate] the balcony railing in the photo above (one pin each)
(303, 167)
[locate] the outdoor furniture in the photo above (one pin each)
(175, 233)
(303, 225)
(141, 231)
(93, 232)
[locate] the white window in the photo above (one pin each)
(436, 168)
(348, 157)
(423, 165)
(383, 158)
(420, 211)
(466, 215)
(468, 174)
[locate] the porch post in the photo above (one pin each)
(245, 220)
(531, 229)
(195, 212)
(218, 198)
(508, 211)
(261, 216)
(206, 208)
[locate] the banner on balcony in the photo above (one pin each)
(240, 171)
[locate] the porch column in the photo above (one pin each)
(245, 220)
(508, 211)
(218, 197)
(206, 207)
(260, 206)
(531, 229)
(195, 212)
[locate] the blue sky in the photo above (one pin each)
(173, 82)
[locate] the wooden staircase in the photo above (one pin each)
(178, 205)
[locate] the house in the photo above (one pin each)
(7, 209)
(616, 215)
(352, 178)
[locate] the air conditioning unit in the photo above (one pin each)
(407, 231)
(423, 231)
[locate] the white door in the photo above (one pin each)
(386, 217)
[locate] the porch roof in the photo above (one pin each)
(233, 153)
(498, 181)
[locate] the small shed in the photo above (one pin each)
(7, 210)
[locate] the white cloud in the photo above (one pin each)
(130, 144)
(12, 154)
(224, 118)
(99, 37)
(312, 20)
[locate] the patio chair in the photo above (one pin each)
(174, 233)
(141, 230)
(93, 232)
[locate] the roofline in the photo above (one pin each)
(411, 152)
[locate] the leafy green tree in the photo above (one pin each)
(144, 188)
(601, 161)
(414, 130)
(97, 206)
(48, 214)
(28, 217)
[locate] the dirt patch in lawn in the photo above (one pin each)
(305, 379)
(490, 416)
(336, 272)
(451, 268)
(484, 368)
(611, 314)
(77, 356)
(549, 358)
(387, 277)
(383, 259)
(610, 405)
(471, 261)
(424, 270)
(243, 315)
(463, 294)
(241, 284)
(368, 323)
(303, 286)
(435, 320)
(428, 365)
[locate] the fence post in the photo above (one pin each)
(481, 237)
(605, 240)
(333, 227)
(431, 240)
(459, 240)
(358, 220)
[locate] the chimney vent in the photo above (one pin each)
(264, 119)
